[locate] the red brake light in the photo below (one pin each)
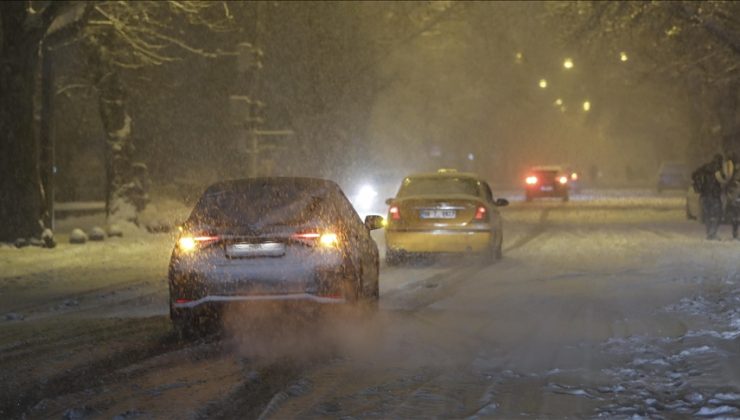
(205, 239)
(531, 180)
(395, 213)
(481, 213)
(307, 235)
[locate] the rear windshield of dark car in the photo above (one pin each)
(262, 205)
(438, 186)
(546, 174)
(673, 168)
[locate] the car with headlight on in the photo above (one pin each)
(442, 213)
(273, 239)
(547, 181)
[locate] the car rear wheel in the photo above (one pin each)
(393, 258)
(184, 323)
(494, 253)
(566, 198)
(528, 197)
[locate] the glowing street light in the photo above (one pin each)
(623, 56)
(586, 106)
(543, 83)
(518, 57)
(568, 63)
(558, 102)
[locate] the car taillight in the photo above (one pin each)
(481, 214)
(395, 213)
(531, 180)
(326, 239)
(563, 179)
(188, 243)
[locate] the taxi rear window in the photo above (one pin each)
(438, 186)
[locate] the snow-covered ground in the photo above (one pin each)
(612, 306)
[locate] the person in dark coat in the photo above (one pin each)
(710, 193)
(731, 186)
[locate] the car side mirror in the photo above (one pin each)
(501, 202)
(373, 222)
(388, 201)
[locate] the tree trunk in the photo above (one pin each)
(21, 201)
(126, 187)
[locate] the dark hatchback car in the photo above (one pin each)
(547, 181)
(673, 176)
(271, 239)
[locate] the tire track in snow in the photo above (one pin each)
(536, 231)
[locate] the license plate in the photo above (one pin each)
(546, 188)
(264, 249)
(438, 214)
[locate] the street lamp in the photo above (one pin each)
(568, 63)
(518, 57)
(543, 83)
(586, 106)
(623, 56)
(558, 102)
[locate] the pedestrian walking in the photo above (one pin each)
(706, 183)
(731, 197)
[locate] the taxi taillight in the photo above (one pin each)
(395, 213)
(481, 214)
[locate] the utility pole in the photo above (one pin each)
(247, 110)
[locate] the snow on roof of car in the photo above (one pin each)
(444, 175)
(274, 180)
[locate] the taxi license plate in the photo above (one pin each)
(264, 249)
(438, 214)
(546, 188)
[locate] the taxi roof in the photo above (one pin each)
(446, 174)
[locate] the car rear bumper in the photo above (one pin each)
(556, 191)
(296, 276)
(439, 241)
(215, 299)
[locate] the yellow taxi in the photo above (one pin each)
(443, 212)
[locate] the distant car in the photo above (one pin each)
(673, 176)
(547, 181)
(443, 212)
(271, 239)
(574, 180)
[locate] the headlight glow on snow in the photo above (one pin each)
(365, 197)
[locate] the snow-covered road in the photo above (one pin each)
(611, 305)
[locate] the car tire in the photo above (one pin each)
(393, 258)
(493, 254)
(527, 197)
(184, 323)
(498, 251)
(566, 198)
